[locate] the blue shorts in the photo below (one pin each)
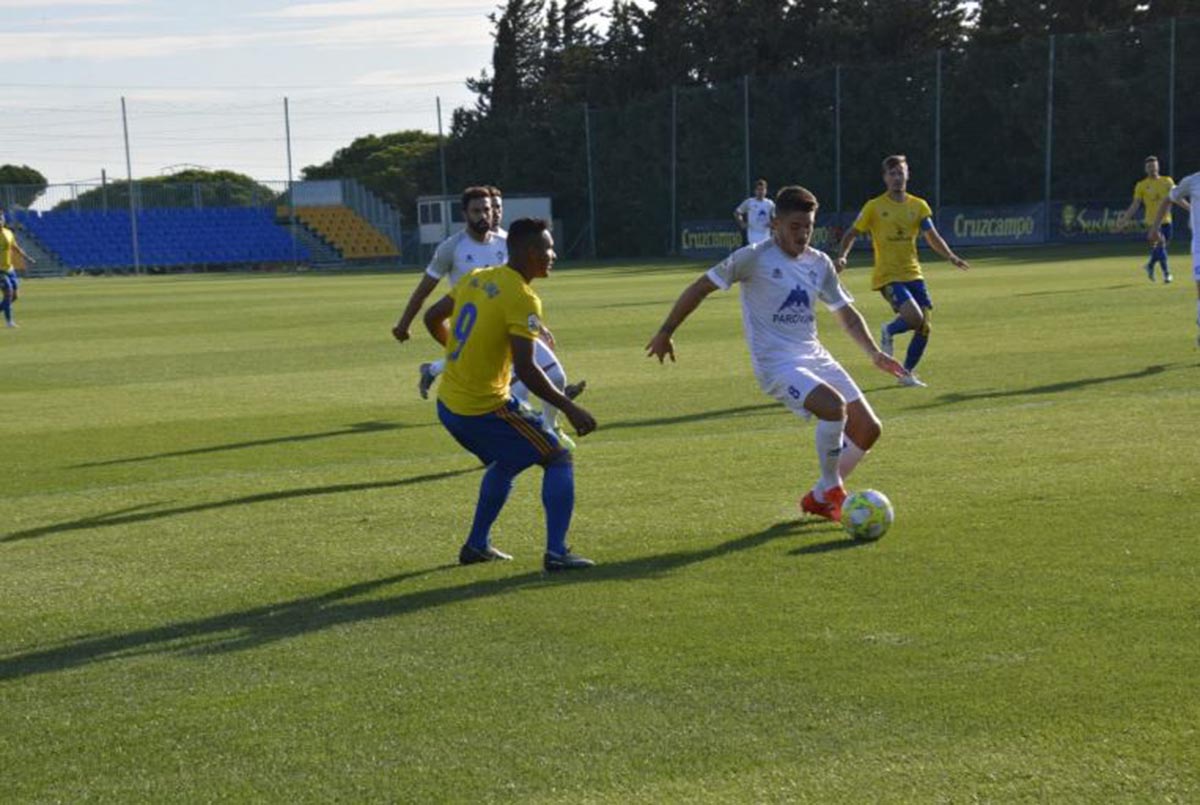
(1165, 229)
(897, 293)
(514, 436)
(10, 280)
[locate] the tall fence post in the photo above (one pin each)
(837, 140)
(287, 136)
(587, 141)
(746, 131)
(133, 228)
(672, 243)
(937, 133)
(1049, 137)
(1171, 103)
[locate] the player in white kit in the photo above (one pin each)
(755, 213)
(781, 280)
(1186, 194)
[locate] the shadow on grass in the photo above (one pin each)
(1077, 291)
(696, 417)
(138, 514)
(349, 430)
(250, 628)
(1049, 388)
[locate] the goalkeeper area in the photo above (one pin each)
(227, 562)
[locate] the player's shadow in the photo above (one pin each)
(258, 626)
(147, 511)
(699, 416)
(1050, 388)
(349, 430)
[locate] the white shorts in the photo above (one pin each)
(791, 385)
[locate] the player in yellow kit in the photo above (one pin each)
(496, 318)
(893, 221)
(1149, 193)
(9, 283)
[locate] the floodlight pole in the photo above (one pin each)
(937, 135)
(442, 148)
(746, 130)
(137, 262)
(837, 141)
(587, 141)
(672, 243)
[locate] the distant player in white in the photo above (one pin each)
(755, 213)
(781, 281)
(1186, 194)
(474, 246)
(543, 348)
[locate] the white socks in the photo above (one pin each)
(851, 455)
(437, 367)
(829, 451)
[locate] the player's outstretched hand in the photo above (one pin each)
(547, 337)
(401, 334)
(583, 422)
(839, 263)
(661, 346)
(887, 363)
(959, 263)
(1154, 236)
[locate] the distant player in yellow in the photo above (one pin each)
(496, 319)
(1150, 193)
(9, 283)
(893, 220)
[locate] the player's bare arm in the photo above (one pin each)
(844, 248)
(856, 327)
(741, 219)
(935, 241)
(419, 295)
(1127, 214)
(1154, 235)
(529, 373)
(661, 345)
(436, 319)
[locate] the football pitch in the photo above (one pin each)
(227, 557)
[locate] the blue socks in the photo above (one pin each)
(493, 492)
(1159, 255)
(558, 496)
(916, 348)
(6, 307)
(897, 326)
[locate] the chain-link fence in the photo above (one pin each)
(1058, 122)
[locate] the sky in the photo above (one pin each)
(204, 82)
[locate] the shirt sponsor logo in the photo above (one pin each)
(795, 309)
(535, 325)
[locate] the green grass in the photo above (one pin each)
(226, 561)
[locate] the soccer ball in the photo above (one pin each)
(867, 515)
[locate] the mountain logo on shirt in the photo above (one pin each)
(796, 309)
(798, 297)
(776, 273)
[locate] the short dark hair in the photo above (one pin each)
(760, 181)
(1151, 158)
(794, 198)
(493, 191)
(472, 193)
(894, 160)
(524, 233)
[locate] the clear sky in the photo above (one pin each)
(204, 82)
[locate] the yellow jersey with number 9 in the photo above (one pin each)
(1151, 193)
(893, 226)
(6, 249)
(490, 304)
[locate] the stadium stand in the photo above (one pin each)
(167, 237)
(346, 231)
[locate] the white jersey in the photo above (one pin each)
(1189, 189)
(758, 218)
(460, 254)
(778, 293)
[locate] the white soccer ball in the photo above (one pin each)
(867, 515)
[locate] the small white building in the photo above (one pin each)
(438, 216)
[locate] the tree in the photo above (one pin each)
(22, 184)
(187, 188)
(397, 167)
